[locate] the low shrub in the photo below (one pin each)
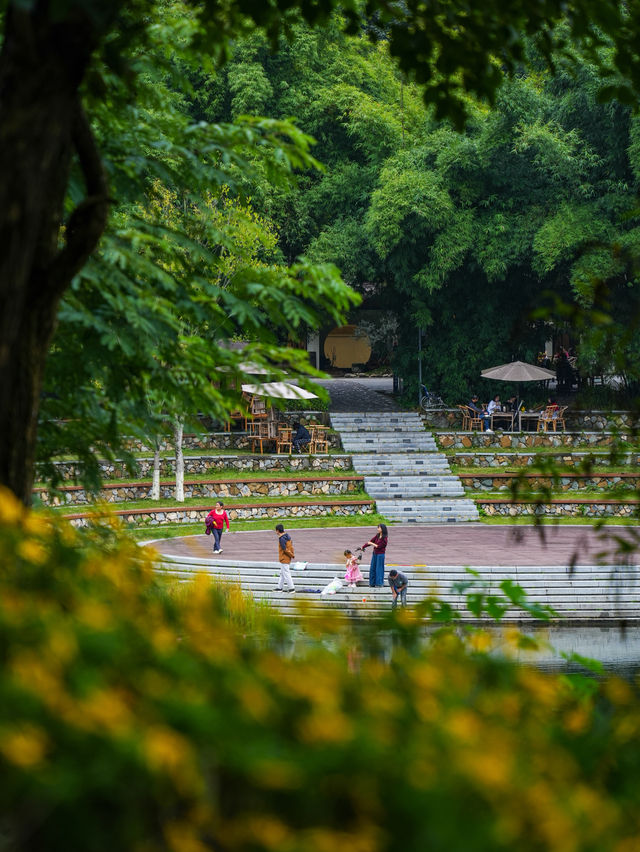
(140, 716)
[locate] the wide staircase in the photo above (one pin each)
(409, 479)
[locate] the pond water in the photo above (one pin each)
(616, 646)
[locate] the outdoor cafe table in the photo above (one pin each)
(528, 415)
(506, 417)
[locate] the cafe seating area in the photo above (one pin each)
(271, 430)
(538, 419)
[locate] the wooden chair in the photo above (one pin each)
(283, 440)
(258, 408)
(560, 417)
(259, 435)
(319, 440)
(550, 417)
(466, 417)
(475, 421)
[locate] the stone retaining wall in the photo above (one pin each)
(196, 514)
(211, 441)
(204, 463)
(75, 495)
(523, 440)
(576, 420)
(570, 482)
(560, 509)
(514, 459)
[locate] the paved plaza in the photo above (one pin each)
(468, 544)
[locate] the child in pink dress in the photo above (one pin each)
(353, 569)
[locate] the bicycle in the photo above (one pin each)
(429, 400)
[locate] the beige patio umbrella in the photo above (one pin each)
(279, 390)
(518, 371)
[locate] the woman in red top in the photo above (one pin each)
(216, 519)
(379, 544)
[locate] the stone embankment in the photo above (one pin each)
(576, 420)
(212, 488)
(561, 482)
(205, 463)
(561, 508)
(153, 517)
(524, 440)
(523, 459)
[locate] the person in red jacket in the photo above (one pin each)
(216, 519)
(379, 544)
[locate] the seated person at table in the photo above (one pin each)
(300, 437)
(512, 403)
(494, 405)
(475, 407)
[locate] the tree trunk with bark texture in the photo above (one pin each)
(42, 125)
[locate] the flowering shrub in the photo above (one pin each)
(135, 717)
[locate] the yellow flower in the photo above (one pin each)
(11, 509)
(32, 551)
(164, 748)
(37, 524)
(464, 726)
(268, 831)
(25, 746)
(106, 709)
(325, 727)
(480, 640)
(183, 837)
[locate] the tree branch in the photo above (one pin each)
(88, 221)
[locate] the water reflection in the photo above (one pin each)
(616, 646)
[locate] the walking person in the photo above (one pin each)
(285, 555)
(216, 519)
(379, 544)
(398, 582)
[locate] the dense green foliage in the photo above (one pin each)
(463, 234)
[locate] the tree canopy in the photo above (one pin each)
(77, 151)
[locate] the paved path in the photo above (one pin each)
(360, 394)
(416, 545)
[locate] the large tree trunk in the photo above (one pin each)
(42, 124)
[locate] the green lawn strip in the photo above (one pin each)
(622, 447)
(230, 503)
(533, 470)
(593, 495)
(178, 530)
(534, 520)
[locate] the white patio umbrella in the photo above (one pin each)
(279, 390)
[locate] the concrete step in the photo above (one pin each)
(590, 592)
(394, 487)
(388, 419)
(397, 464)
(410, 443)
(381, 426)
(428, 511)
